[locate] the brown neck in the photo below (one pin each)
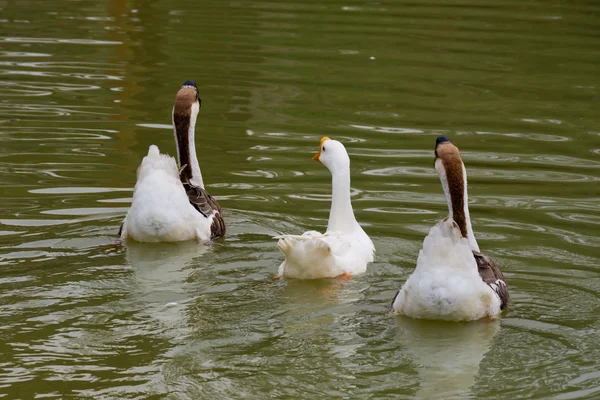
(181, 119)
(456, 189)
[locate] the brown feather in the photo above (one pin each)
(181, 118)
(492, 275)
(207, 205)
(453, 165)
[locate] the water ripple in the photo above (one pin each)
(57, 41)
(87, 88)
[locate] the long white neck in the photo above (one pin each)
(186, 149)
(341, 216)
(470, 234)
(465, 204)
(196, 178)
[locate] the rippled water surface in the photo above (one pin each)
(87, 86)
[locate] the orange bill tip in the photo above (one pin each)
(316, 157)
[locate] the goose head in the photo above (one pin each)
(452, 173)
(333, 155)
(187, 105)
(185, 112)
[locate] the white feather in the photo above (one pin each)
(446, 283)
(160, 210)
(345, 248)
(314, 255)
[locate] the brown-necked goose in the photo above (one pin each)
(452, 280)
(170, 202)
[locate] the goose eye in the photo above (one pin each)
(323, 148)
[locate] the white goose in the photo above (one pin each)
(169, 203)
(344, 249)
(453, 280)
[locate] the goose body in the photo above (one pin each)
(170, 203)
(344, 249)
(452, 280)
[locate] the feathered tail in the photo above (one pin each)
(158, 208)
(305, 256)
(156, 163)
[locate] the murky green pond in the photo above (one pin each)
(87, 86)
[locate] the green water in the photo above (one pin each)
(87, 86)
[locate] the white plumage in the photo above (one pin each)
(452, 280)
(345, 248)
(170, 203)
(315, 255)
(160, 210)
(446, 284)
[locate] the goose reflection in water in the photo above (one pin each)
(447, 354)
(161, 271)
(310, 305)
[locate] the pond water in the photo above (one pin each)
(87, 86)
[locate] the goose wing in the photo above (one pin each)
(208, 206)
(492, 275)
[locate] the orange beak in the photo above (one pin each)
(317, 156)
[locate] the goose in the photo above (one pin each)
(170, 203)
(344, 249)
(453, 280)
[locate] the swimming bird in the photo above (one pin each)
(453, 280)
(170, 202)
(344, 249)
